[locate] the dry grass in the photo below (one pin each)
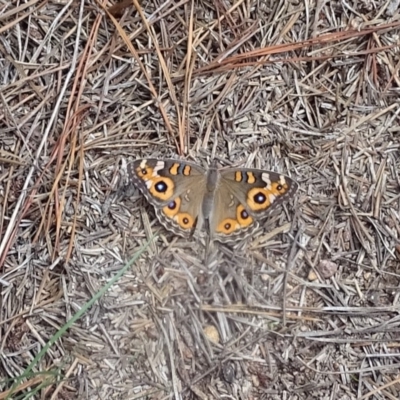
(307, 309)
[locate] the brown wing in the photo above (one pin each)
(244, 196)
(175, 188)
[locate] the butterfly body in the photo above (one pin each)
(228, 201)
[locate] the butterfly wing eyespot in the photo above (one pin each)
(174, 219)
(279, 188)
(259, 199)
(172, 208)
(143, 172)
(185, 220)
(161, 188)
(227, 226)
(230, 225)
(243, 217)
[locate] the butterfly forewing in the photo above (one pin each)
(257, 190)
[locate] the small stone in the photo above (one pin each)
(367, 275)
(256, 381)
(327, 268)
(211, 333)
(228, 372)
(312, 276)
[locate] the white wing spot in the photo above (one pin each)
(271, 198)
(158, 167)
(265, 178)
(186, 196)
(143, 164)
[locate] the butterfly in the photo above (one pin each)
(230, 201)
